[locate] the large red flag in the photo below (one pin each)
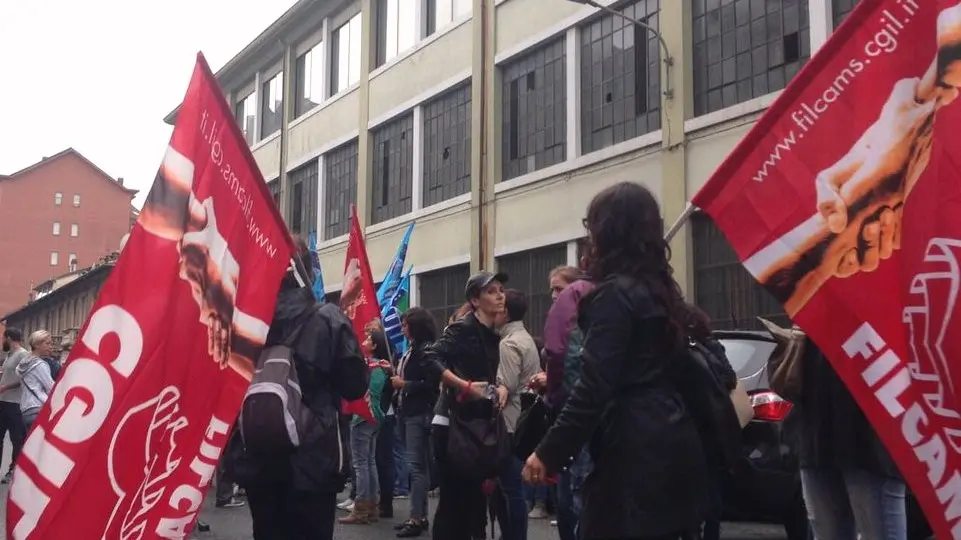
(132, 433)
(844, 201)
(358, 299)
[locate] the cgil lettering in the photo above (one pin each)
(889, 379)
(186, 499)
(75, 417)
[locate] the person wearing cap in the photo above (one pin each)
(466, 357)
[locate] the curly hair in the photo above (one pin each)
(626, 237)
(420, 325)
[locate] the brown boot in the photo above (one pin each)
(360, 515)
(373, 511)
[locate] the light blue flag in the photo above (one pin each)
(393, 276)
(318, 285)
(391, 314)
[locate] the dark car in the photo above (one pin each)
(767, 486)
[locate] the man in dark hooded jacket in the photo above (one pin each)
(293, 496)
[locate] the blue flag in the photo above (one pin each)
(392, 311)
(393, 276)
(318, 285)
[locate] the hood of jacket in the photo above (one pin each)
(27, 364)
(294, 307)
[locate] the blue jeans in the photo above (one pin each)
(511, 505)
(417, 437)
(570, 502)
(535, 494)
(401, 469)
(840, 504)
(363, 457)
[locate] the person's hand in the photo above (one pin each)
(385, 364)
(501, 397)
(212, 272)
(896, 146)
(397, 382)
(538, 381)
(880, 237)
(534, 471)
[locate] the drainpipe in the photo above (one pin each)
(483, 126)
(287, 114)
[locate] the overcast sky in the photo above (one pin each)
(100, 75)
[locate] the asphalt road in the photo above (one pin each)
(234, 524)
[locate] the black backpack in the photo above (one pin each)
(700, 382)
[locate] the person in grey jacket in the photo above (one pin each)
(35, 377)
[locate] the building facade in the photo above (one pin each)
(492, 123)
(60, 305)
(58, 215)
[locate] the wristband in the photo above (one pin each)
(465, 391)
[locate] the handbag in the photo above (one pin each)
(785, 366)
(477, 447)
(532, 426)
(742, 404)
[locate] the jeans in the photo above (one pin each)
(363, 449)
(385, 465)
(511, 505)
(11, 421)
(282, 513)
(401, 467)
(535, 495)
(841, 504)
(570, 502)
(417, 438)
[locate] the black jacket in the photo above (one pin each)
(471, 350)
(330, 367)
(650, 476)
(422, 383)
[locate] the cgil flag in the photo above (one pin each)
(393, 276)
(318, 285)
(844, 203)
(133, 431)
(393, 311)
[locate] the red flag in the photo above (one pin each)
(844, 201)
(358, 299)
(132, 433)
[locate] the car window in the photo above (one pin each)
(747, 356)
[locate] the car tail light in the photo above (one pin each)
(770, 407)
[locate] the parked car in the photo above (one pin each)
(767, 488)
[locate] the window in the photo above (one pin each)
(440, 13)
(58, 198)
(245, 114)
(723, 288)
(442, 291)
(447, 140)
(56, 228)
(74, 230)
(535, 111)
(746, 49)
(345, 55)
(54, 258)
(303, 200)
(76, 200)
(841, 9)
(620, 77)
(528, 272)
(309, 75)
(393, 170)
(272, 109)
(340, 189)
(396, 28)
(274, 188)
(72, 261)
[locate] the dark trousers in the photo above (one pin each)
(11, 421)
(282, 513)
(385, 465)
(461, 512)
(511, 505)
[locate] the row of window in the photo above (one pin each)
(396, 25)
(74, 229)
(58, 199)
(71, 260)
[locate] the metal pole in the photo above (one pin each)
(680, 221)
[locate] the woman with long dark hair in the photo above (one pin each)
(650, 478)
(418, 388)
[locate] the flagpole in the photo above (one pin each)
(680, 221)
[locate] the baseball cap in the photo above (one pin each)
(479, 281)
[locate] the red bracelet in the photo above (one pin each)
(464, 392)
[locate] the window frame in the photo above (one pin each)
(240, 106)
(353, 24)
(392, 173)
(301, 99)
(268, 85)
(450, 281)
(389, 40)
(58, 198)
(529, 272)
(446, 128)
(74, 230)
(340, 181)
(76, 200)
(56, 228)
(54, 258)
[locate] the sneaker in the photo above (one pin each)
(347, 504)
(538, 512)
(402, 496)
(553, 523)
(411, 529)
(232, 502)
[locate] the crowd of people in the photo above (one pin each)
(625, 449)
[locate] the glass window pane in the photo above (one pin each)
(310, 79)
(390, 39)
(407, 25)
(444, 13)
(273, 105)
(245, 112)
(343, 57)
(462, 8)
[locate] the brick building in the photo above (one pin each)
(56, 216)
